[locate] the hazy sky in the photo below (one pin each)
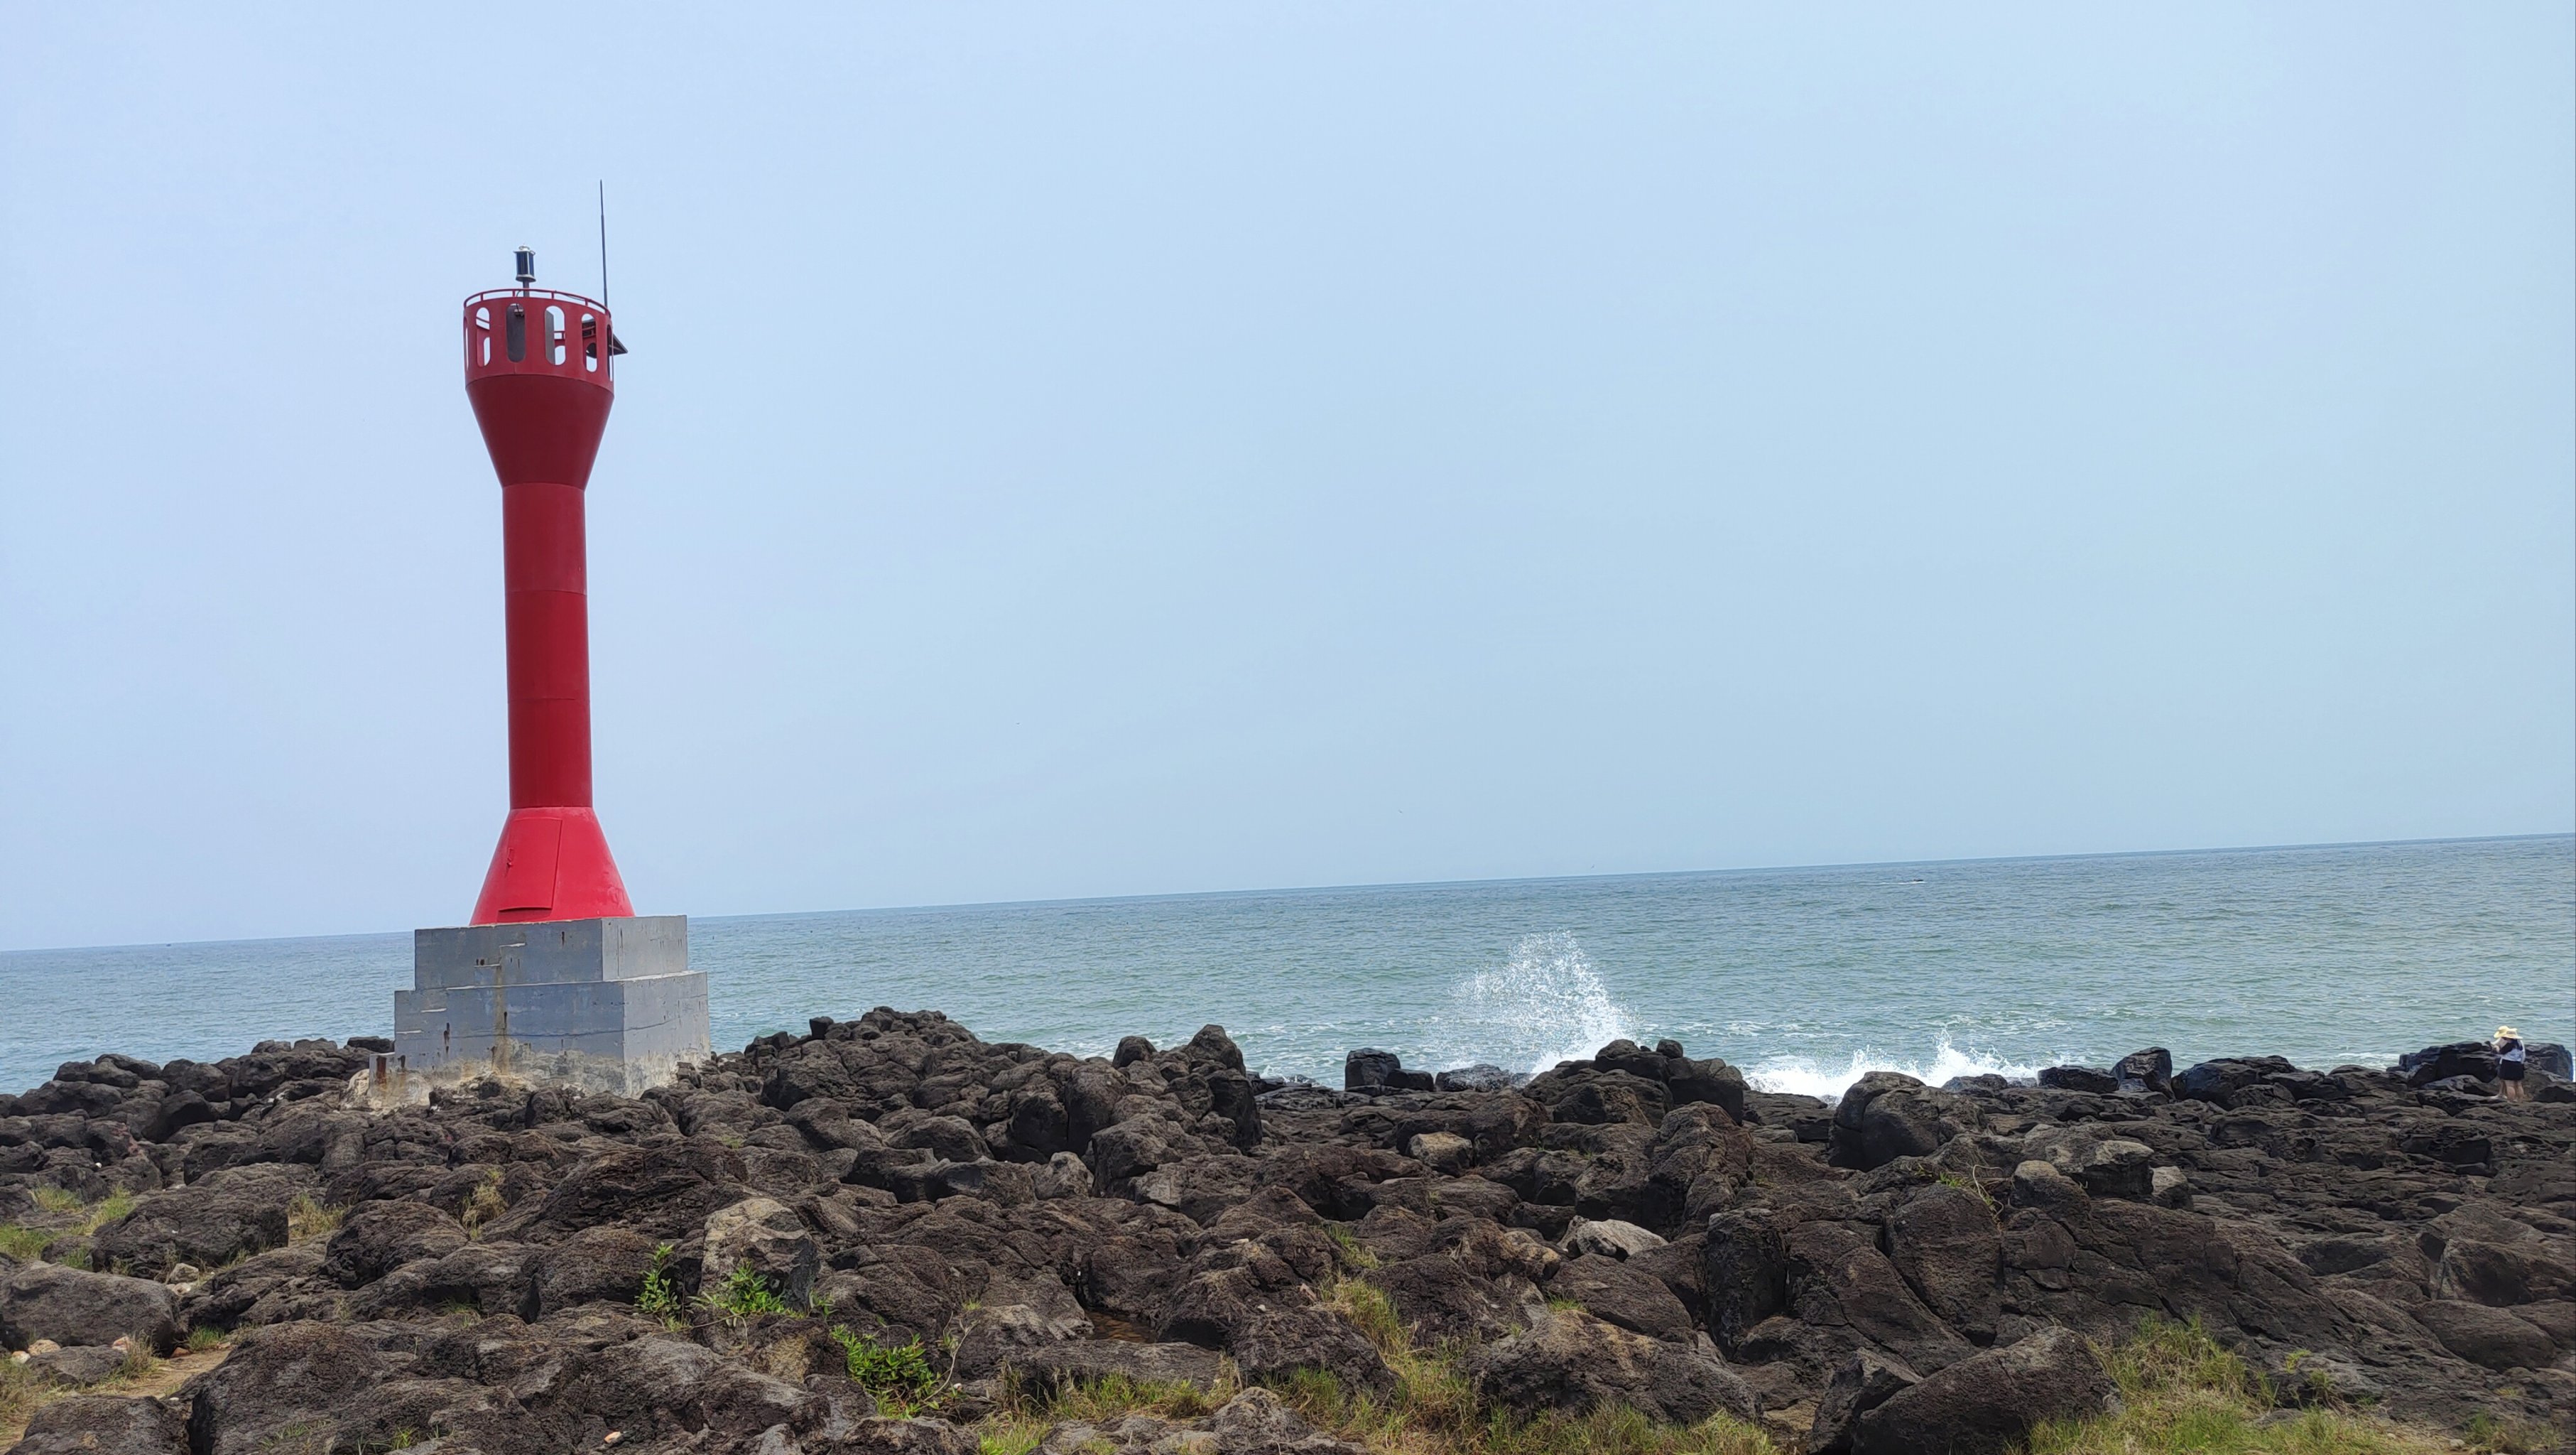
(1076, 450)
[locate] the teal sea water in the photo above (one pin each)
(1806, 977)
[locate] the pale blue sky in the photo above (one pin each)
(1078, 450)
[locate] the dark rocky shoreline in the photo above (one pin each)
(1916, 1268)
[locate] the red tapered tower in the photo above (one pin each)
(537, 368)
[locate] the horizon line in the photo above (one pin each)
(1364, 886)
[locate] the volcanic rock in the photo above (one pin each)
(95, 1423)
(215, 1219)
(2475, 1059)
(80, 1364)
(1044, 1217)
(1986, 1402)
(766, 1237)
(2149, 1071)
(1863, 1383)
(72, 1307)
(2078, 1078)
(1608, 1237)
(1572, 1361)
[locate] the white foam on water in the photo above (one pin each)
(1806, 1077)
(1546, 1004)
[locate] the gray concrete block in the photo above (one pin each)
(551, 950)
(602, 1004)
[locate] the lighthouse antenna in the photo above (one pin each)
(603, 242)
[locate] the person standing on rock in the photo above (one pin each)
(2510, 1061)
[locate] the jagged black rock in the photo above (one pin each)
(1637, 1228)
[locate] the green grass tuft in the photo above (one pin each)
(899, 1376)
(111, 1207)
(1113, 1397)
(1435, 1410)
(2184, 1394)
(76, 1219)
(485, 1205)
(58, 1200)
(19, 1392)
(307, 1218)
(2495, 1435)
(1009, 1435)
(26, 1244)
(2166, 1357)
(1372, 1313)
(1348, 1250)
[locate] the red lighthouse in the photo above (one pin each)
(556, 980)
(538, 368)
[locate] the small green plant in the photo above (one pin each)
(1969, 1185)
(2318, 1383)
(743, 1296)
(201, 1339)
(661, 1296)
(899, 1376)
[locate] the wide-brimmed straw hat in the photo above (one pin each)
(2506, 1033)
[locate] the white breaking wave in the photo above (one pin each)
(1547, 1004)
(1804, 1076)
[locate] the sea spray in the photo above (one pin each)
(1806, 1077)
(1544, 1005)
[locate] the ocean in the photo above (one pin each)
(1804, 977)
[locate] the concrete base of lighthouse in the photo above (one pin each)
(598, 1004)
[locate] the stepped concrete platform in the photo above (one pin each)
(601, 1004)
